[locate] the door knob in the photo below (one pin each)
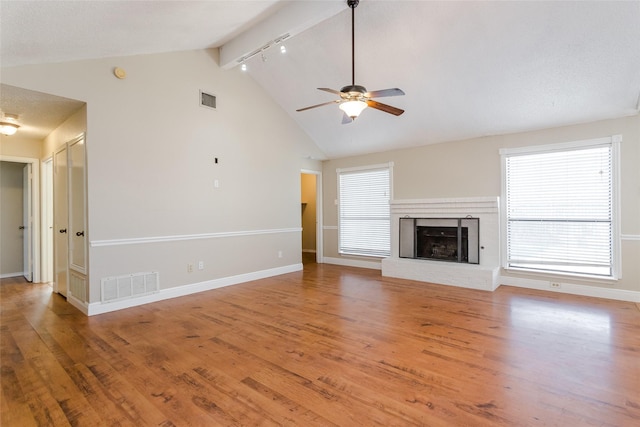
(63, 230)
(21, 227)
(80, 233)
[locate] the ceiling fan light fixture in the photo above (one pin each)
(353, 108)
(9, 124)
(355, 98)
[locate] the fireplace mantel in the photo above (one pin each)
(479, 276)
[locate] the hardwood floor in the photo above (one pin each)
(326, 346)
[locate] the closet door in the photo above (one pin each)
(61, 220)
(77, 207)
(27, 221)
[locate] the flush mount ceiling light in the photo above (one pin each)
(9, 124)
(355, 98)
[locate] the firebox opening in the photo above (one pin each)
(440, 239)
(442, 243)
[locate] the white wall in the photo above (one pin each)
(471, 168)
(151, 172)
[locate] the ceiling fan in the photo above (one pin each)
(355, 98)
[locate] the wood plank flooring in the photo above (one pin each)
(328, 346)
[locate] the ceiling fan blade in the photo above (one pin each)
(384, 107)
(317, 105)
(326, 89)
(384, 92)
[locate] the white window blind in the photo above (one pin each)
(559, 209)
(364, 213)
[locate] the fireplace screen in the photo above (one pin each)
(440, 239)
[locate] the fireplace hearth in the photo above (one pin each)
(440, 239)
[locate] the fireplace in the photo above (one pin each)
(440, 239)
(477, 272)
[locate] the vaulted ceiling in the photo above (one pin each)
(468, 68)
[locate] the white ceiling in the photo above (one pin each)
(468, 68)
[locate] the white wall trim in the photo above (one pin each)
(80, 305)
(183, 237)
(572, 288)
(562, 146)
(7, 275)
(448, 206)
(179, 291)
(630, 237)
(349, 262)
(388, 165)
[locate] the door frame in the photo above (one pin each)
(27, 222)
(35, 204)
(46, 272)
(319, 228)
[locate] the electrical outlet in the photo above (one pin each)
(190, 268)
(200, 265)
(555, 285)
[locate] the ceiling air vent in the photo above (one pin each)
(207, 100)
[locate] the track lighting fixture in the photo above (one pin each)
(261, 51)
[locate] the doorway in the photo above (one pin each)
(20, 217)
(310, 202)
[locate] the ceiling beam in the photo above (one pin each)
(288, 21)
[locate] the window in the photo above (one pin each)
(364, 219)
(560, 208)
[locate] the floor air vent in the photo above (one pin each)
(129, 286)
(207, 100)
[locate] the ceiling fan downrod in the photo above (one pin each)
(353, 4)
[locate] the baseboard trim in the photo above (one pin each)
(179, 291)
(573, 289)
(348, 262)
(82, 306)
(7, 275)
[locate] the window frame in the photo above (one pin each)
(388, 166)
(614, 142)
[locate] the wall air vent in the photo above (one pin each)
(129, 286)
(207, 100)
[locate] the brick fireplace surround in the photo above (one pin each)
(476, 276)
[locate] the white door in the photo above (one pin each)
(47, 221)
(27, 222)
(77, 211)
(61, 220)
